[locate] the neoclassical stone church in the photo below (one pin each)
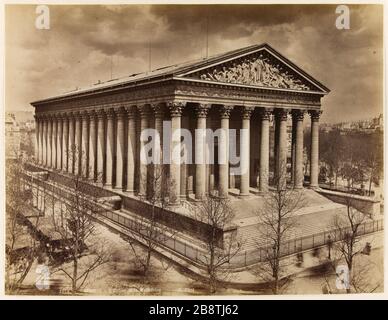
(254, 88)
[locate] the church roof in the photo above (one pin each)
(183, 71)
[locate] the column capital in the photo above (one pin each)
(110, 113)
(69, 115)
(85, 115)
(225, 111)
(76, 114)
(265, 114)
(100, 113)
(57, 116)
(202, 109)
(158, 109)
(298, 115)
(120, 112)
(62, 116)
(92, 115)
(144, 110)
(49, 116)
(282, 114)
(246, 112)
(131, 111)
(315, 114)
(176, 108)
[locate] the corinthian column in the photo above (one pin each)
(45, 127)
(84, 167)
(78, 144)
(143, 172)
(176, 109)
(244, 151)
(109, 146)
(71, 148)
(314, 155)
(92, 145)
(281, 115)
(223, 148)
(41, 137)
(158, 172)
(131, 149)
(54, 142)
(49, 140)
(36, 149)
(59, 141)
(264, 151)
(297, 117)
(65, 143)
(100, 145)
(200, 150)
(120, 115)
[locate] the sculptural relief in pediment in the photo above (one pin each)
(259, 69)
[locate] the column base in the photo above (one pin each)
(174, 204)
(244, 195)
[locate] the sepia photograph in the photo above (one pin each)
(193, 149)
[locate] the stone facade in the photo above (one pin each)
(102, 124)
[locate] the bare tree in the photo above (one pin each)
(217, 213)
(348, 246)
(276, 223)
(76, 228)
(149, 229)
(21, 244)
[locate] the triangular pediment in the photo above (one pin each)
(262, 67)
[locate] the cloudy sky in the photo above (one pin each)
(82, 41)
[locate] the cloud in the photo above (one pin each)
(83, 40)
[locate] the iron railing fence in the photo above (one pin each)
(241, 259)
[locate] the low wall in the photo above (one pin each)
(364, 204)
(172, 219)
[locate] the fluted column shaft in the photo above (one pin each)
(45, 141)
(84, 167)
(223, 165)
(245, 152)
(92, 146)
(131, 149)
(264, 152)
(314, 155)
(49, 140)
(77, 144)
(41, 139)
(36, 149)
(65, 143)
(120, 114)
(59, 142)
(54, 143)
(143, 172)
(158, 172)
(100, 145)
(282, 148)
(109, 147)
(71, 148)
(200, 151)
(176, 109)
(298, 161)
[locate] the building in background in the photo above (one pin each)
(12, 137)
